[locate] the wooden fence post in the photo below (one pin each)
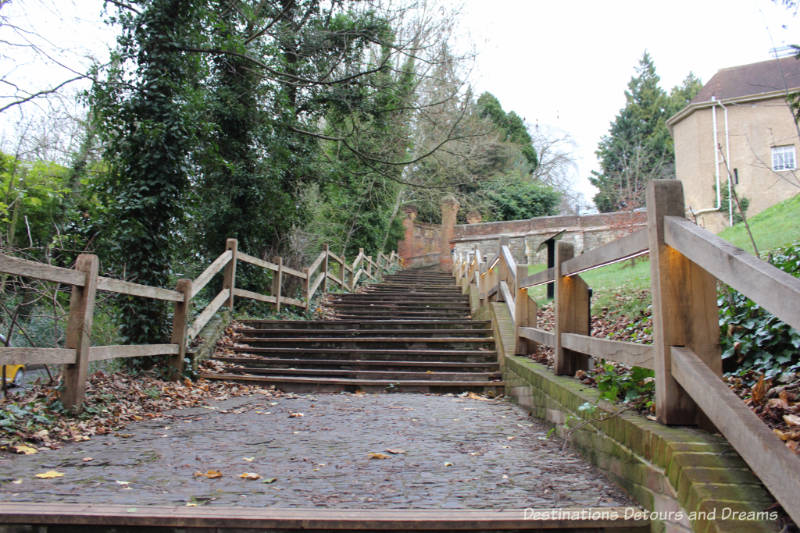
(571, 313)
(524, 312)
(277, 282)
(79, 329)
(179, 320)
(325, 249)
(685, 309)
(229, 276)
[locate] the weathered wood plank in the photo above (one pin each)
(135, 289)
(292, 272)
(545, 276)
(624, 248)
(292, 301)
(256, 261)
(317, 262)
(255, 296)
(774, 290)
(316, 285)
(180, 321)
(629, 353)
(571, 313)
(203, 279)
(538, 335)
(32, 269)
(511, 265)
(229, 276)
(78, 335)
(335, 257)
(102, 353)
(36, 356)
(508, 298)
(774, 464)
(203, 318)
(335, 279)
(321, 519)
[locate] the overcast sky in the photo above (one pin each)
(566, 64)
(563, 64)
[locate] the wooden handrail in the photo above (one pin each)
(135, 289)
(316, 284)
(622, 249)
(215, 267)
(32, 269)
(629, 353)
(256, 261)
(773, 289)
(508, 298)
(317, 262)
(540, 278)
(505, 252)
(103, 353)
(35, 356)
(538, 335)
(255, 296)
(770, 460)
(203, 318)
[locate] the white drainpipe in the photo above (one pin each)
(716, 156)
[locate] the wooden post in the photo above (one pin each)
(369, 265)
(572, 313)
(684, 306)
(524, 312)
(307, 288)
(179, 320)
(79, 329)
(277, 282)
(325, 249)
(229, 276)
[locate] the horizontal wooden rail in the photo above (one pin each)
(202, 280)
(292, 301)
(773, 289)
(336, 280)
(256, 261)
(255, 296)
(629, 353)
(770, 460)
(103, 353)
(538, 335)
(292, 272)
(32, 269)
(336, 257)
(135, 289)
(36, 356)
(203, 318)
(540, 278)
(627, 247)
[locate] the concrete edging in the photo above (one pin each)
(677, 473)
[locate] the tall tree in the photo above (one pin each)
(146, 113)
(638, 147)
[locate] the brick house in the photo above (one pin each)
(739, 121)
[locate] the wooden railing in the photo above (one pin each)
(686, 263)
(78, 351)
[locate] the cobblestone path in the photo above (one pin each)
(452, 452)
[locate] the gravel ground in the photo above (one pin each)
(321, 450)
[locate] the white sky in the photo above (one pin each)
(563, 64)
(567, 63)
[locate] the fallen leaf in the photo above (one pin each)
(250, 475)
(792, 420)
(24, 450)
(474, 396)
(50, 474)
(248, 459)
(794, 446)
(511, 438)
(270, 480)
(448, 464)
(211, 474)
(17, 482)
(296, 415)
(759, 391)
(87, 459)
(123, 483)
(191, 504)
(781, 435)
(378, 455)
(395, 451)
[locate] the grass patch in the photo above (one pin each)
(772, 228)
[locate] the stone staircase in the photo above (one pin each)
(412, 332)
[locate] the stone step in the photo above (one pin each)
(384, 354)
(379, 332)
(371, 374)
(407, 343)
(359, 324)
(278, 362)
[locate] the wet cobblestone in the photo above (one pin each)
(458, 453)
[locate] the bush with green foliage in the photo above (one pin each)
(754, 339)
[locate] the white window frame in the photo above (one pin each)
(783, 158)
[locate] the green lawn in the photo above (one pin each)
(772, 228)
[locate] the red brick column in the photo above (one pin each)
(449, 211)
(407, 247)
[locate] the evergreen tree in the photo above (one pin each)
(638, 146)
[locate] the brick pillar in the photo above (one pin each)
(449, 212)
(407, 248)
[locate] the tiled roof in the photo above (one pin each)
(752, 79)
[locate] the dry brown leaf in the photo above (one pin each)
(792, 420)
(395, 451)
(211, 474)
(378, 455)
(50, 474)
(474, 396)
(250, 475)
(24, 450)
(296, 415)
(759, 391)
